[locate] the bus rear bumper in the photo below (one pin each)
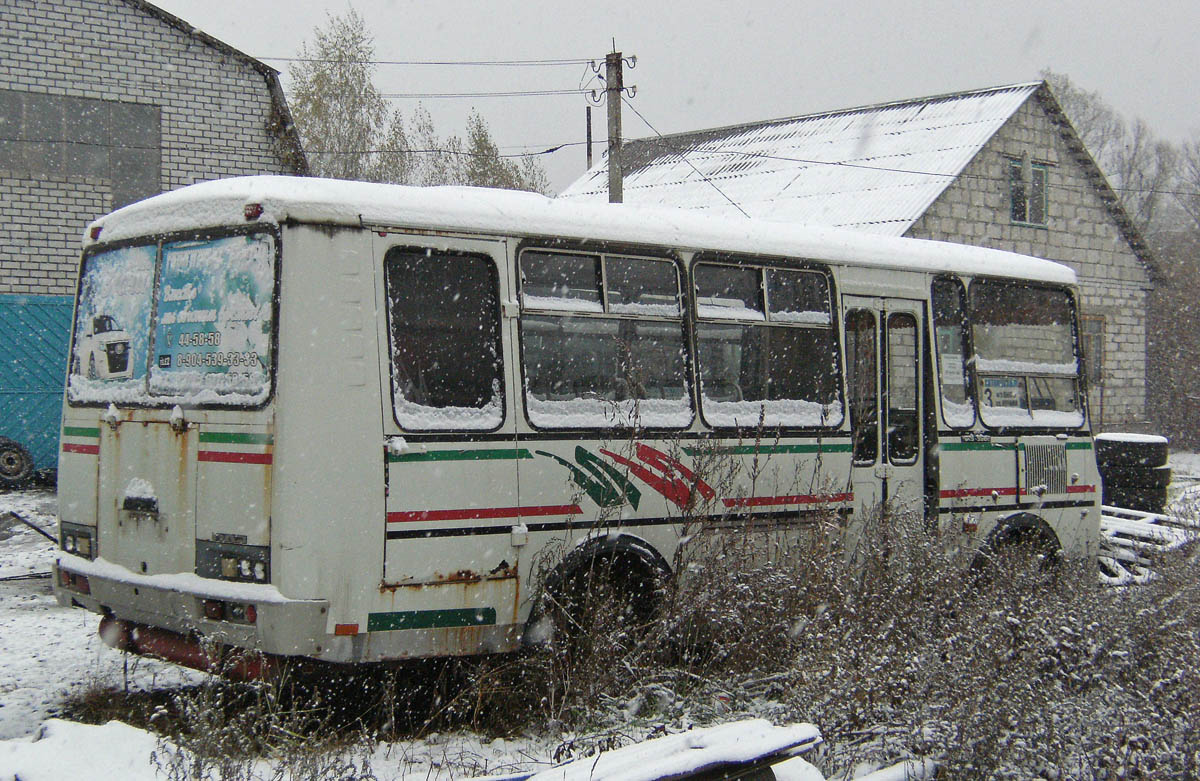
(209, 612)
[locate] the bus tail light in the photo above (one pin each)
(237, 612)
(74, 582)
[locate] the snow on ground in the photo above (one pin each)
(49, 654)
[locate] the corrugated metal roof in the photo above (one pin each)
(875, 168)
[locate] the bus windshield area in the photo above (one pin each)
(184, 322)
(1024, 355)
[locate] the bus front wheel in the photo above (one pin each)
(1022, 548)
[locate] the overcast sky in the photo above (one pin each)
(706, 64)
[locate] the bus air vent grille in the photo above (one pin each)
(1046, 465)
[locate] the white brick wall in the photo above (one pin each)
(1080, 232)
(41, 222)
(215, 111)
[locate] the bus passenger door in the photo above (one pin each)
(883, 371)
(450, 452)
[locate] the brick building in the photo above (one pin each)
(102, 103)
(997, 167)
(105, 102)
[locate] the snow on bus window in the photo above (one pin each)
(798, 297)
(1025, 355)
(611, 355)
(778, 373)
(212, 336)
(444, 319)
(112, 326)
(638, 286)
(729, 292)
(561, 281)
(592, 372)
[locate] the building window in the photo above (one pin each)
(1092, 338)
(1027, 191)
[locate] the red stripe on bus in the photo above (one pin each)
(959, 493)
(1081, 489)
(233, 458)
(767, 501)
(482, 513)
(71, 447)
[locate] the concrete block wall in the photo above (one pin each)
(1080, 232)
(107, 102)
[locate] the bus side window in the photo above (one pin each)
(766, 347)
(444, 322)
(950, 329)
(602, 341)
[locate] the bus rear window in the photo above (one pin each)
(205, 339)
(213, 321)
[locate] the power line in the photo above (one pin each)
(507, 94)
(216, 147)
(710, 182)
(467, 63)
(557, 147)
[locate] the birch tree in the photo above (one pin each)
(349, 131)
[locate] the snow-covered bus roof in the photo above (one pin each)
(508, 213)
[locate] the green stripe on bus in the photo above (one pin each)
(948, 446)
(747, 450)
(1079, 446)
(81, 431)
(431, 619)
(237, 438)
(462, 455)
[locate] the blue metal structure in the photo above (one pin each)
(34, 336)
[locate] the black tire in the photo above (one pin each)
(1023, 547)
(1137, 477)
(1130, 452)
(605, 589)
(1146, 500)
(16, 465)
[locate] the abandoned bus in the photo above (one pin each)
(351, 421)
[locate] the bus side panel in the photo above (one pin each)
(328, 482)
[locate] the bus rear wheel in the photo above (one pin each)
(605, 596)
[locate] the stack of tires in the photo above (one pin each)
(1133, 468)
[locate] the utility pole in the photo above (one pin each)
(612, 88)
(589, 137)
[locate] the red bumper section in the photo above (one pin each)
(187, 650)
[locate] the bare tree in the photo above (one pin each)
(1139, 166)
(341, 116)
(349, 131)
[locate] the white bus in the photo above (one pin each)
(357, 416)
